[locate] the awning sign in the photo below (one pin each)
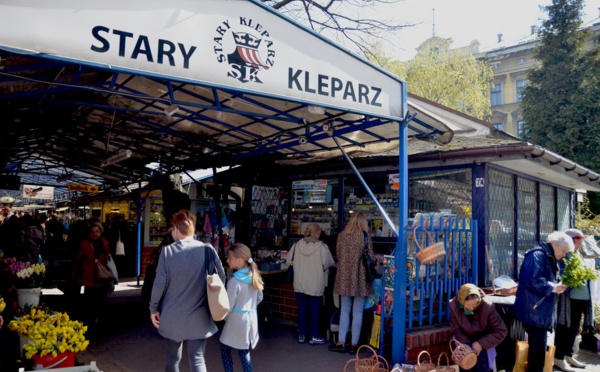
(238, 44)
(38, 192)
(82, 188)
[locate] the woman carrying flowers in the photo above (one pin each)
(94, 248)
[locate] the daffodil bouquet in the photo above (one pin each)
(576, 273)
(27, 275)
(50, 333)
(2, 304)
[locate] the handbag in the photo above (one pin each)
(216, 294)
(103, 273)
(589, 248)
(120, 248)
(370, 265)
(522, 353)
(290, 271)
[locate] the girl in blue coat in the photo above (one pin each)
(244, 290)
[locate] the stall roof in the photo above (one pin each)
(185, 84)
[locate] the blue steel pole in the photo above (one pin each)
(139, 233)
(400, 284)
(367, 188)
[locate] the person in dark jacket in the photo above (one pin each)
(535, 304)
(34, 237)
(572, 306)
(475, 322)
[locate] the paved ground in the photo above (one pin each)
(129, 343)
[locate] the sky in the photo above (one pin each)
(467, 20)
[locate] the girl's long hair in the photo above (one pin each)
(358, 223)
(242, 251)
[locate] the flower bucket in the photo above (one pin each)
(48, 361)
(28, 296)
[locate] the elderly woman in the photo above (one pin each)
(537, 294)
(475, 322)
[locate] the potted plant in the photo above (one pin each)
(53, 339)
(27, 278)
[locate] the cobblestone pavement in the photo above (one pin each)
(129, 343)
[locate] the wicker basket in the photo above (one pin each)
(463, 355)
(432, 252)
(427, 365)
(372, 363)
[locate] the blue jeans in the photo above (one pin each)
(356, 304)
(309, 305)
(228, 361)
(195, 355)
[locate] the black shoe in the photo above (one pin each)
(352, 349)
(339, 348)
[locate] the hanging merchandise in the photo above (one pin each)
(224, 222)
(207, 228)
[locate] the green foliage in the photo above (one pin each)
(576, 273)
(586, 220)
(451, 78)
(562, 100)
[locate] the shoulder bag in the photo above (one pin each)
(120, 248)
(370, 265)
(101, 272)
(216, 294)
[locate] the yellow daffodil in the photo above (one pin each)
(50, 333)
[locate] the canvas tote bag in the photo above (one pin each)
(216, 293)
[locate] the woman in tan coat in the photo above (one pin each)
(351, 279)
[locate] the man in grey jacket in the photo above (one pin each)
(311, 259)
(178, 306)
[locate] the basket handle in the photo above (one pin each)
(419, 357)
(452, 346)
(431, 237)
(440, 358)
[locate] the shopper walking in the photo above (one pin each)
(94, 248)
(535, 304)
(351, 279)
(311, 260)
(178, 305)
(244, 290)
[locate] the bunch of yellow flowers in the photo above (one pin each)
(2, 304)
(50, 333)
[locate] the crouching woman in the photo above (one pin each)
(475, 322)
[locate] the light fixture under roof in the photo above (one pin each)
(120, 156)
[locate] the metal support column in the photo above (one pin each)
(400, 285)
(139, 234)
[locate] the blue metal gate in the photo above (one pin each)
(429, 287)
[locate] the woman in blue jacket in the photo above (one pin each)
(539, 286)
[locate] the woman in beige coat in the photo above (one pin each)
(351, 279)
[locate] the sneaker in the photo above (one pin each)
(574, 362)
(339, 348)
(316, 341)
(562, 364)
(301, 339)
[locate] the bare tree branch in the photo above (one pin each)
(336, 17)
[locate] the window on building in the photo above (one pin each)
(520, 61)
(498, 126)
(521, 84)
(522, 129)
(496, 95)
